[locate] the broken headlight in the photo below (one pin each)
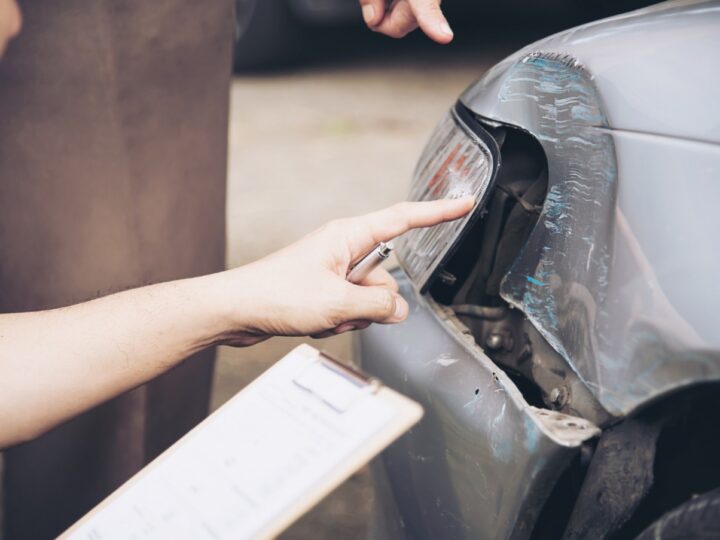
(460, 159)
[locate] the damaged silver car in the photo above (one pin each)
(564, 338)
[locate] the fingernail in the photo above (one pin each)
(465, 201)
(347, 327)
(400, 308)
(445, 29)
(368, 13)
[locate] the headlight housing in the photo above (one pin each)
(460, 159)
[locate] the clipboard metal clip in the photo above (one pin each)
(336, 384)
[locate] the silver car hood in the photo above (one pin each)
(619, 274)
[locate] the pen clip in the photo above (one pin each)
(319, 378)
(348, 371)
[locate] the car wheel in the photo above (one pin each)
(697, 519)
(266, 31)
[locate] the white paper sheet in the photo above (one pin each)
(243, 467)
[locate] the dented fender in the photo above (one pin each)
(619, 273)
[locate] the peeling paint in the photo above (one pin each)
(532, 435)
(501, 438)
(569, 250)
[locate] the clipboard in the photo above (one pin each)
(260, 461)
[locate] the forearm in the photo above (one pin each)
(58, 363)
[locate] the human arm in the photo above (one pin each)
(58, 363)
(400, 17)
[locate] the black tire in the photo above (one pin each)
(697, 519)
(266, 33)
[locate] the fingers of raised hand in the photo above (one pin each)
(373, 11)
(398, 21)
(431, 20)
(404, 16)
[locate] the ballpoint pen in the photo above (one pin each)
(369, 262)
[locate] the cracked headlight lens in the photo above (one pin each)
(460, 159)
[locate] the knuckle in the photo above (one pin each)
(386, 304)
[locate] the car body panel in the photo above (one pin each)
(481, 462)
(617, 273)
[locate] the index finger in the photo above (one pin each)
(386, 224)
(431, 20)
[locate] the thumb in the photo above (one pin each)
(377, 304)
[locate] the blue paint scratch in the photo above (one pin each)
(535, 281)
(532, 435)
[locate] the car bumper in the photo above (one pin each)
(482, 462)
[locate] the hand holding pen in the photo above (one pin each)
(329, 282)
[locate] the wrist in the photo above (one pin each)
(230, 308)
(201, 305)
